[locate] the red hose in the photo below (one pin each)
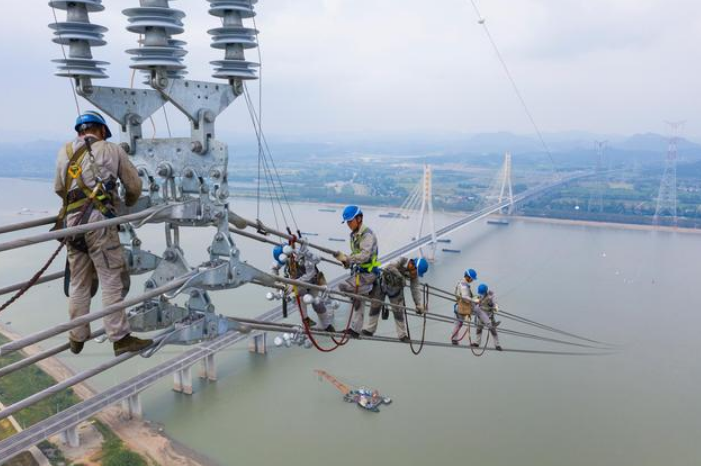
(307, 331)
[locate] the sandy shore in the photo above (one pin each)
(138, 435)
(617, 226)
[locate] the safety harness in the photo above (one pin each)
(75, 199)
(392, 279)
(373, 266)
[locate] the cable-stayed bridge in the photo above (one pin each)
(181, 366)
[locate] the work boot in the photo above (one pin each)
(475, 345)
(405, 339)
(310, 323)
(130, 344)
(330, 328)
(76, 346)
(499, 348)
(352, 333)
(366, 333)
(455, 342)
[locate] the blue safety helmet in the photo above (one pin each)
(482, 289)
(350, 212)
(472, 273)
(277, 250)
(91, 117)
(421, 265)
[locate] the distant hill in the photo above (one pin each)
(656, 143)
(571, 150)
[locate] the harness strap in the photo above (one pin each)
(74, 172)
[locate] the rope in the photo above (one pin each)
(263, 163)
(337, 343)
(65, 57)
(32, 281)
(260, 106)
(514, 85)
(472, 348)
(267, 154)
(35, 278)
(416, 352)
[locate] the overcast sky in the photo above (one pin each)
(405, 66)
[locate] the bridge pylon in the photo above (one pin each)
(426, 216)
(667, 196)
(506, 192)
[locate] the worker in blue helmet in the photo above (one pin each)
(392, 281)
(465, 301)
(363, 264)
(485, 310)
(91, 120)
(302, 264)
(88, 173)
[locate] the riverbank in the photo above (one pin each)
(610, 225)
(139, 436)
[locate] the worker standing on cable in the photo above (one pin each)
(363, 263)
(302, 265)
(391, 284)
(484, 315)
(465, 301)
(87, 172)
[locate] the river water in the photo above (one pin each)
(638, 407)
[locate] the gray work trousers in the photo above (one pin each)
(364, 284)
(459, 322)
(104, 258)
(376, 310)
(484, 319)
(325, 316)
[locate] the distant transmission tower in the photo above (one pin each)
(596, 200)
(667, 197)
(507, 191)
(426, 215)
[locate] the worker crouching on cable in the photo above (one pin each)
(302, 265)
(484, 315)
(87, 172)
(364, 266)
(391, 284)
(464, 302)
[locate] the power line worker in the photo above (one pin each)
(302, 265)
(365, 268)
(465, 302)
(87, 171)
(484, 315)
(391, 283)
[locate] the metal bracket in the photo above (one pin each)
(138, 261)
(202, 102)
(129, 107)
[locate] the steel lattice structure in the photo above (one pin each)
(667, 196)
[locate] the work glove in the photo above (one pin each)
(420, 309)
(342, 258)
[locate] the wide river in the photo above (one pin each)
(639, 406)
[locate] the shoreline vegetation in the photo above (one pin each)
(633, 223)
(108, 439)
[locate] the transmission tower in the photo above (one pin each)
(426, 215)
(596, 200)
(507, 191)
(667, 197)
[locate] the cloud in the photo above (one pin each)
(408, 65)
